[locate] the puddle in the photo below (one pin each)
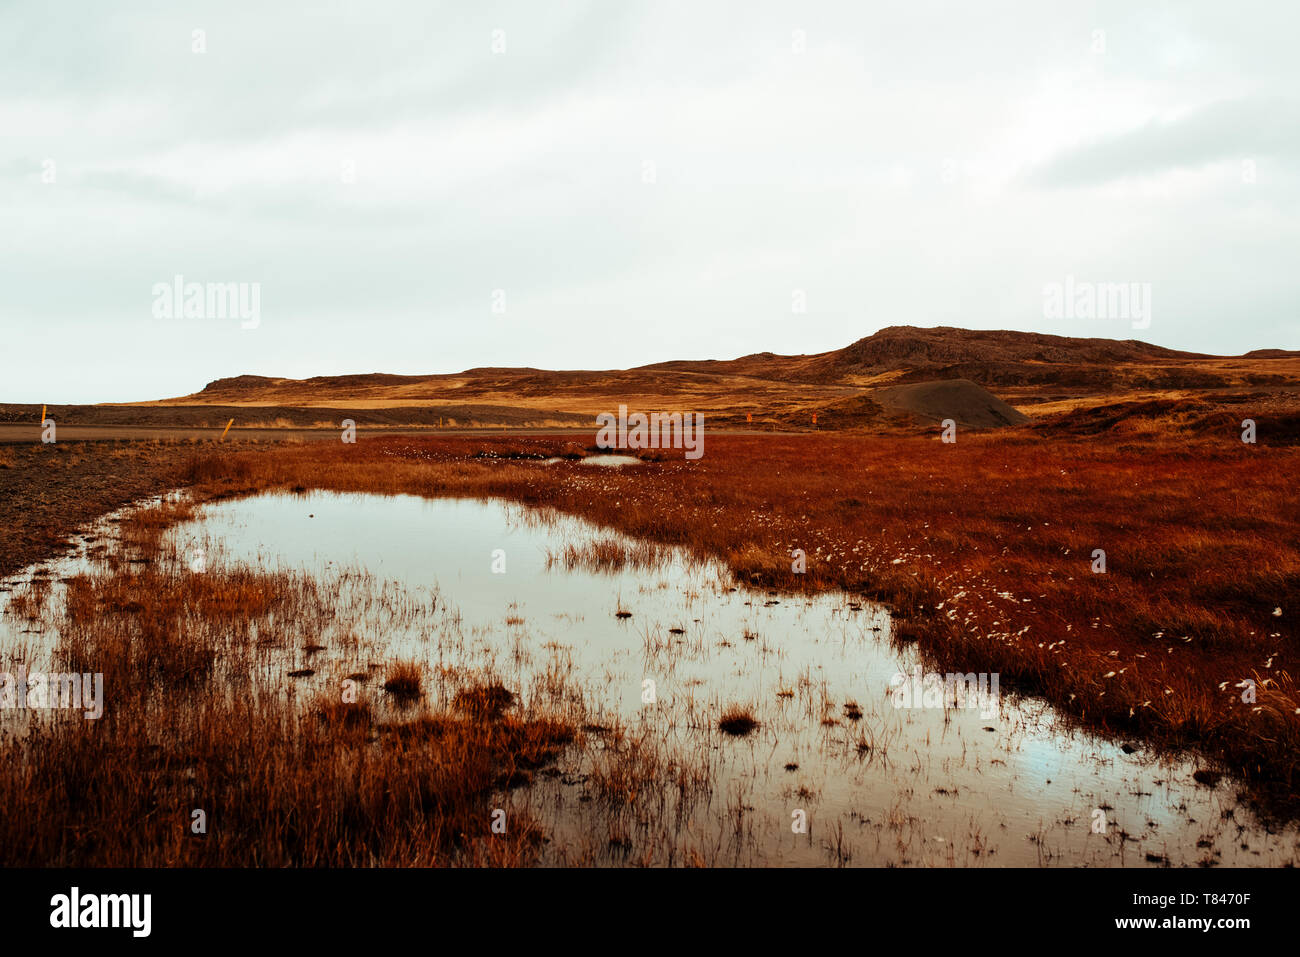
(456, 583)
(611, 460)
(605, 460)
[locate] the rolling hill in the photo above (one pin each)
(900, 376)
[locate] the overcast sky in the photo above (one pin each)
(641, 181)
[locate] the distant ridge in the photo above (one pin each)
(908, 349)
(970, 353)
(909, 346)
(901, 374)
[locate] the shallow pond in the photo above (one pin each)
(485, 585)
(605, 460)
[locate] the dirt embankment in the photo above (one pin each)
(967, 404)
(47, 491)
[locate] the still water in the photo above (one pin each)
(836, 771)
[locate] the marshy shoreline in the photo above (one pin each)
(982, 554)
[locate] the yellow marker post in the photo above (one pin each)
(43, 414)
(227, 429)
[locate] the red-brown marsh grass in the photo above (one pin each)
(483, 752)
(627, 767)
(168, 625)
(28, 601)
(322, 782)
(609, 555)
(737, 720)
(404, 680)
(141, 530)
(648, 786)
(488, 699)
(983, 549)
(277, 788)
(343, 716)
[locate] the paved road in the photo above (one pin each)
(17, 434)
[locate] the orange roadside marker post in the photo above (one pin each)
(227, 429)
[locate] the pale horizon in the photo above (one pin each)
(421, 189)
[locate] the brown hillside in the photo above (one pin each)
(901, 374)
